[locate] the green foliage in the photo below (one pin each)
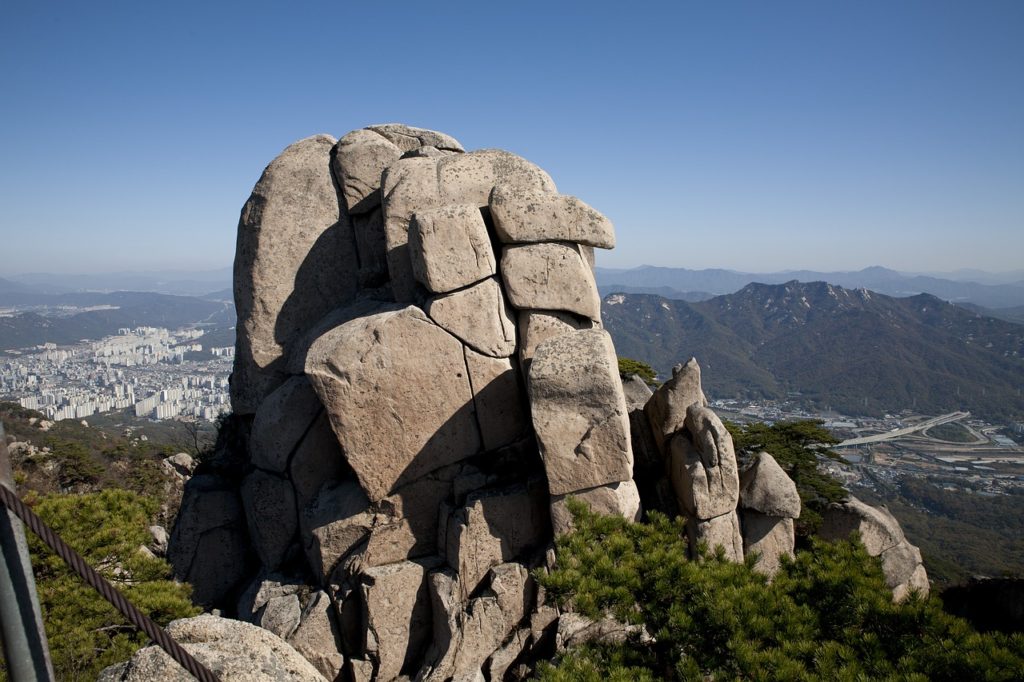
(827, 614)
(628, 366)
(108, 529)
(81, 459)
(797, 447)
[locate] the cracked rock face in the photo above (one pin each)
(390, 287)
(421, 383)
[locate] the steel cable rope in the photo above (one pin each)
(140, 620)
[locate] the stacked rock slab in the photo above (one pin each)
(699, 459)
(399, 473)
(769, 502)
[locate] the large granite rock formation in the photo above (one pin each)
(421, 383)
(398, 459)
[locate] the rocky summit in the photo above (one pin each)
(421, 383)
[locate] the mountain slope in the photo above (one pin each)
(857, 351)
(882, 280)
(128, 309)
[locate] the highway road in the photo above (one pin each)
(898, 433)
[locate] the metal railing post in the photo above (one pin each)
(21, 622)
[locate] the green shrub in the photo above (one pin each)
(628, 366)
(827, 614)
(797, 446)
(108, 528)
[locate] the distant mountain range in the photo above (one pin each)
(175, 282)
(123, 309)
(996, 292)
(854, 350)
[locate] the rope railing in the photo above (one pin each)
(75, 561)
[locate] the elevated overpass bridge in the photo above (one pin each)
(899, 433)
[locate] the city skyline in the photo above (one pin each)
(739, 136)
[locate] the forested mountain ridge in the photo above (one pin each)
(854, 350)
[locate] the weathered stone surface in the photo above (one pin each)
(770, 536)
(537, 326)
(317, 636)
(495, 527)
(280, 615)
(550, 276)
(180, 464)
(450, 247)
(318, 459)
(882, 537)
(372, 248)
(360, 158)
(412, 519)
(409, 185)
(479, 316)
(159, 539)
(878, 529)
(363, 306)
(469, 178)
(233, 650)
(666, 409)
(409, 138)
(501, 408)
(575, 629)
(766, 488)
(209, 543)
(467, 634)
(396, 615)
(524, 215)
(703, 472)
(396, 416)
(722, 531)
(222, 559)
(579, 412)
(918, 582)
(507, 654)
(269, 503)
(636, 392)
(262, 588)
(333, 525)
(295, 260)
(417, 184)
(620, 499)
(281, 422)
(899, 563)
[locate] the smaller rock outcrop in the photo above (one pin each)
(769, 502)
(882, 537)
(233, 650)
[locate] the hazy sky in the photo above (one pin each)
(746, 135)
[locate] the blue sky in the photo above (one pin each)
(756, 136)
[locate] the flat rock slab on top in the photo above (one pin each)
(417, 184)
(550, 276)
(523, 216)
(397, 392)
(295, 260)
(579, 412)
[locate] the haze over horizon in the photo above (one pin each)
(743, 136)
